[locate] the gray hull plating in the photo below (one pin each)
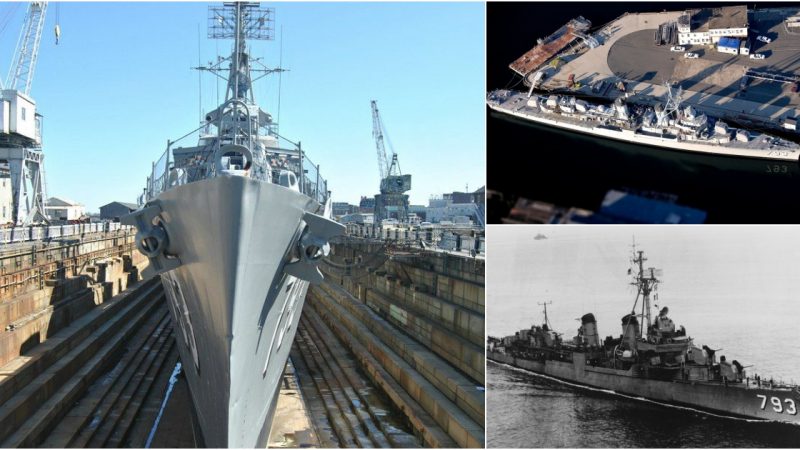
(236, 309)
(733, 400)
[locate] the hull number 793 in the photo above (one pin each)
(777, 406)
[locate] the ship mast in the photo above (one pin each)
(239, 21)
(646, 282)
(239, 84)
(546, 321)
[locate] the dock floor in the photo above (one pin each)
(108, 376)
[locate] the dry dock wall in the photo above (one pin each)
(26, 267)
(415, 323)
(48, 287)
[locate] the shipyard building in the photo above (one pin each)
(58, 208)
(711, 25)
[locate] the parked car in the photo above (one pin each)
(691, 55)
(677, 48)
(764, 39)
(758, 56)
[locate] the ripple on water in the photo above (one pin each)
(524, 410)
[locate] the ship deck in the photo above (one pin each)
(515, 103)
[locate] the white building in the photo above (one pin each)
(58, 208)
(708, 25)
(729, 45)
(744, 47)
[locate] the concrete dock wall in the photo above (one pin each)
(389, 311)
(47, 288)
(26, 267)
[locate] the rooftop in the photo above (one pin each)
(719, 18)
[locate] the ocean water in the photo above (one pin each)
(732, 287)
(524, 410)
(570, 169)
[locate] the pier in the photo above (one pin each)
(388, 351)
(761, 92)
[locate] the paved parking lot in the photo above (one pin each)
(713, 80)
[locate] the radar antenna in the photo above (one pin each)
(240, 21)
(239, 118)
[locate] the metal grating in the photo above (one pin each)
(257, 22)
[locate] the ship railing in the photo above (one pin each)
(157, 181)
(313, 185)
(48, 232)
(164, 175)
(308, 174)
(441, 238)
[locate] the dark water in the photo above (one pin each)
(525, 410)
(570, 169)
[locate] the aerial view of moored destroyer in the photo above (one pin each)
(235, 227)
(652, 359)
(670, 125)
(717, 80)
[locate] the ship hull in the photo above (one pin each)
(519, 110)
(235, 310)
(732, 401)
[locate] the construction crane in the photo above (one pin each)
(393, 183)
(20, 75)
(22, 190)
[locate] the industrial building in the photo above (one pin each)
(342, 208)
(59, 208)
(366, 205)
(709, 25)
(458, 207)
(358, 217)
(115, 210)
(728, 45)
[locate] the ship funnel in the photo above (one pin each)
(630, 330)
(589, 331)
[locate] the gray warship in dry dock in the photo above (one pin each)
(655, 361)
(668, 125)
(235, 227)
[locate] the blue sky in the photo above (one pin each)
(119, 85)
